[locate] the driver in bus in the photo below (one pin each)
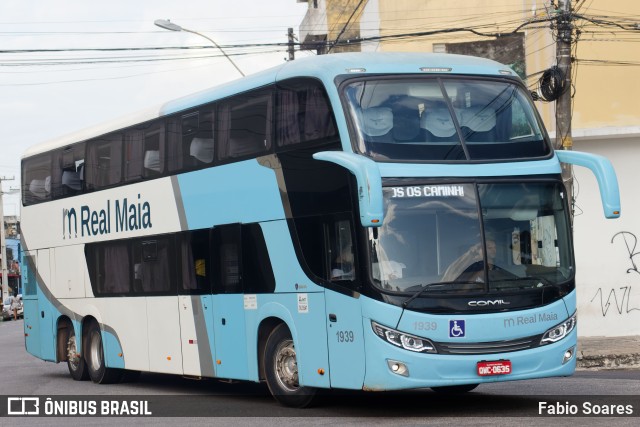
(470, 266)
(343, 265)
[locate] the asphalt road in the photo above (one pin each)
(176, 400)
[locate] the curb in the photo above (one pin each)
(609, 361)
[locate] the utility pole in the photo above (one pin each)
(564, 140)
(3, 244)
(290, 38)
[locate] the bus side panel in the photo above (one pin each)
(239, 188)
(46, 311)
(69, 276)
(197, 353)
(124, 323)
(230, 336)
(30, 301)
(163, 323)
(298, 302)
(303, 314)
(31, 329)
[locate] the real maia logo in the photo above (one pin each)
(87, 222)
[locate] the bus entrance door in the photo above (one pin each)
(346, 341)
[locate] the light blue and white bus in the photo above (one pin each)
(350, 221)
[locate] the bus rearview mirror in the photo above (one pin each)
(368, 180)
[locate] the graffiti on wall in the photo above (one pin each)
(620, 298)
(630, 242)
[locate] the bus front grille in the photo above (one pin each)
(488, 347)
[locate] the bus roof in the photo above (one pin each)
(323, 67)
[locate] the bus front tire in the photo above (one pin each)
(281, 370)
(94, 358)
(75, 362)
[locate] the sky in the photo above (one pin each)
(45, 95)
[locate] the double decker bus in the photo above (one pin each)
(351, 221)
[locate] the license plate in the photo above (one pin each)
(499, 367)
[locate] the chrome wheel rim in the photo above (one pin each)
(72, 353)
(95, 353)
(286, 366)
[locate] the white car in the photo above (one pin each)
(7, 313)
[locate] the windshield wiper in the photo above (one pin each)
(535, 282)
(450, 286)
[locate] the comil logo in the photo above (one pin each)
(23, 406)
(488, 303)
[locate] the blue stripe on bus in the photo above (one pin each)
(230, 194)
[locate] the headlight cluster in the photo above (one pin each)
(560, 331)
(406, 341)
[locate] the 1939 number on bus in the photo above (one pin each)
(345, 336)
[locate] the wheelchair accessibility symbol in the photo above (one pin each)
(456, 328)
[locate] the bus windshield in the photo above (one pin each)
(432, 237)
(444, 119)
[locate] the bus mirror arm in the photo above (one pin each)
(368, 180)
(605, 175)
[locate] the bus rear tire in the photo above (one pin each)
(455, 389)
(94, 357)
(281, 370)
(75, 361)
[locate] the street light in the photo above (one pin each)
(168, 25)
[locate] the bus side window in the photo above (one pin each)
(195, 256)
(341, 252)
(104, 162)
(241, 260)
(190, 142)
(36, 180)
(245, 124)
(154, 151)
(133, 155)
(227, 259)
(257, 273)
(152, 261)
(68, 171)
(109, 267)
(303, 113)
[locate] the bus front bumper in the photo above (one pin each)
(393, 368)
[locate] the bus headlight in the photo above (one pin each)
(560, 331)
(406, 341)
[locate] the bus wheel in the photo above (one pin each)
(94, 357)
(75, 362)
(455, 389)
(281, 370)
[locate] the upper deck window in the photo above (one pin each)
(303, 113)
(453, 119)
(244, 124)
(36, 179)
